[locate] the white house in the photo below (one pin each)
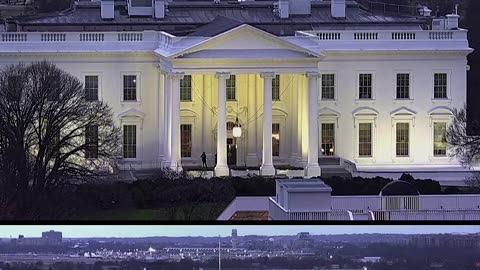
(372, 94)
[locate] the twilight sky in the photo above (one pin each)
(224, 230)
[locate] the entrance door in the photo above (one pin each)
(231, 152)
(328, 139)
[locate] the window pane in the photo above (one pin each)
(129, 141)
(186, 88)
(91, 142)
(365, 86)
(276, 139)
(440, 85)
(365, 139)
(403, 85)
(402, 139)
(186, 140)
(439, 139)
(129, 87)
(276, 88)
(91, 88)
(328, 139)
(231, 88)
(328, 86)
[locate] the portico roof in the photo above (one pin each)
(239, 42)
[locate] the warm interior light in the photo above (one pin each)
(323, 150)
(331, 150)
(237, 129)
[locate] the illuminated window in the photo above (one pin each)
(186, 140)
(328, 86)
(91, 141)
(403, 86)
(91, 88)
(129, 87)
(231, 88)
(276, 88)
(365, 86)
(439, 139)
(186, 88)
(365, 139)
(328, 139)
(129, 141)
(402, 139)
(440, 85)
(276, 139)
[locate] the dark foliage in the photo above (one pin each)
(44, 116)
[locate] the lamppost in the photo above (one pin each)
(237, 131)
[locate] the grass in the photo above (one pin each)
(202, 211)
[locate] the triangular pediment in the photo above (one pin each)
(132, 113)
(328, 112)
(245, 38)
(403, 111)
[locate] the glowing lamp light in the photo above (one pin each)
(323, 150)
(237, 130)
(331, 150)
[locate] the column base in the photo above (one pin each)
(267, 170)
(312, 170)
(176, 167)
(222, 170)
(252, 160)
(165, 163)
(160, 161)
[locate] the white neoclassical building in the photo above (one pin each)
(350, 92)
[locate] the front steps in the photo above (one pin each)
(331, 166)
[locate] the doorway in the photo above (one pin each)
(328, 139)
(231, 152)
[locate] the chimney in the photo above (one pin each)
(452, 21)
(283, 11)
(107, 9)
(300, 7)
(159, 9)
(338, 9)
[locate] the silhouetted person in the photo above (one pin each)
(204, 160)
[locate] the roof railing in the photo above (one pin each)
(387, 8)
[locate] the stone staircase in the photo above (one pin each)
(331, 167)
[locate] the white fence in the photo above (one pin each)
(425, 207)
(422, 202)
(385, 35)
(158, 38)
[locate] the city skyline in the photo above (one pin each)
(125, 231)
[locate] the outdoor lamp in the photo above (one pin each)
(237, 129)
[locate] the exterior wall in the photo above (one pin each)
(384, 68)
(290, 111)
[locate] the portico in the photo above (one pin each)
(209, 66)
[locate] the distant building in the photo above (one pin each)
(234, 238)
(447, 240)
(48, 238)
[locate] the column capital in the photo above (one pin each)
(164, 66)
(268, 75)
(312, 74)
(222, 75)
(177, 75)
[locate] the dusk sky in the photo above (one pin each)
(224, 230)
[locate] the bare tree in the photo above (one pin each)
(51, 138)
(464, 144)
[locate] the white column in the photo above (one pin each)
(221, 168)
(175, 163)
(267, 158)
(167, 123)
(161, 118)
(313, 169)
(252, 158)
(294, 123)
